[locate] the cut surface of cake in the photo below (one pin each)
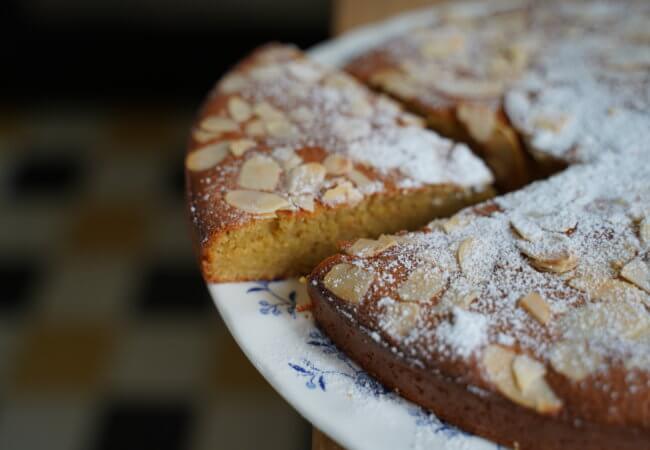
(287, 158)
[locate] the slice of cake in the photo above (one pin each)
(287, 158)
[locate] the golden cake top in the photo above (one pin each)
(281, 133)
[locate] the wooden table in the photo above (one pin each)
(349, 14)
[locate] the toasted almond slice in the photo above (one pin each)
(206, 157)
(256, 202)
(348, 282)
(395, 82)
(233, 83)
(616, 290)
(553, 124)
(239, 109)
(337, 164)
(527, 372)
(441, 46)
(266, 111)
(281, 128)
(644, 230)
(637, 272)
(304, 201)
(344, 192)
(526, 228)
(561, 222)
(499, 363)
(470, 88)
(411, 120)
(360, 107)
(203, 136)
(267, 73)
(287, 158)
(240, 146)
(359, 179)
(536, 306)
(422, 285)
(574, 360)
(588, 284)
(460, 294)
(304, 71)
(219, 124)
(259, 173)
(255, 128)
(302, 114)
(479, 120)
(455, 223)
(400, 318)
(552, 254)
(475, 263)
(306, 178)
(365, 248)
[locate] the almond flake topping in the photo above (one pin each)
(259, 172)
(644, 230)
(348, 282)
(366, 248)
(537, 307)
(306, 178)
(479, 120)
(422, 285)
(240, 146)
(255, 202)
(637, 271)
(526, 228)
(233, 83)
(552, 254)
(239, 109)
(337, 164)
(206, 157)
(359, 179)
(399, 318)
(304, 201)
(219, 124)
(280, 128)
(266, 111)
(574, 360)
(255, 128)
(344, 192)
(520, 378)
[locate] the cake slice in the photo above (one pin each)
(525, 320)
(287, 158)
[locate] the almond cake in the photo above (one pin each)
(523, 318)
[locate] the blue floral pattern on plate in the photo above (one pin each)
(278, 304)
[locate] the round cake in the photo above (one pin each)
(524, 318)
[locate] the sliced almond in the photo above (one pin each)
(304, 201)
(455, 223)
(587, 283)
(399, 318)
(527, 372)
(499, 363)
(616, 290)
(637, 272)
(256, 202)
(551, 254)
(526, 228)
(233, 83)
(574, 360)
(536, 306)
(359, 179)
(479, 120)
(259, 172)
(337, 164)
(475, 263)
(344, 192)
(365, 248)
(348, 282)
(460, 294)
(554, 124)
(303, 115)
(239, 109)
(360, 107)
(287, 158)
(441, 46)
(219, 124)
(267, 73)
(203, 136)
(240, 146)
(306, 178)
(281, 128)
(422, 285)
(470, 88)
(255, 128)
(206, 157)
(266, 111)
(644, 230)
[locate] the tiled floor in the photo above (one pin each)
(108, 339)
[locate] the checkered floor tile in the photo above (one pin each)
(108, 337)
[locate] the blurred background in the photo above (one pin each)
(108, 339)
